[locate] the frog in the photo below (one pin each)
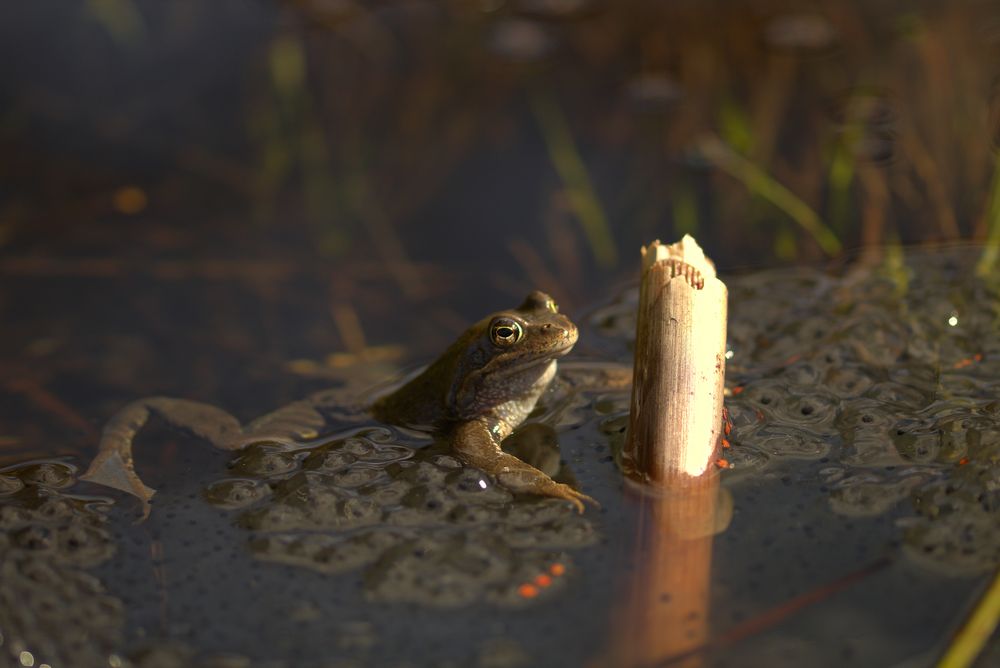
(482, 387)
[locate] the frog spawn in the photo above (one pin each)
(887, 379)
(51, 611)
(420, 525)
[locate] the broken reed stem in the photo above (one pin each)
(673, 433)
(676, 413)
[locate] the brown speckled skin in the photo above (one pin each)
(479, 392)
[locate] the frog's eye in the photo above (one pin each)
(550, 305)
(505, 332)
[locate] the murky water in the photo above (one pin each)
(863, 476)
(243, 203)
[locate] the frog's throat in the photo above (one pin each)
(462, 400)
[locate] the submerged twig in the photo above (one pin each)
(34, 392)
(768, 619)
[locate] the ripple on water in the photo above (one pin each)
(787, 441)
(869, 496)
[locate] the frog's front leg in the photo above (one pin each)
(476, 444)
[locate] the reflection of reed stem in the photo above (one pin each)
(666, 613)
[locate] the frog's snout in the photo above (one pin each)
(562, 336)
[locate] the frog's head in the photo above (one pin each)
(510, 356)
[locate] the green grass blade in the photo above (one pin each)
(573, 173)
(762, 184)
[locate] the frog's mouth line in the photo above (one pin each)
(549, 356)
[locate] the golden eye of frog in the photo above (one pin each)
(482, 387)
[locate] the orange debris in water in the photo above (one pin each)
(738, 389)
(129, 200)
(963, 461)
(543, 580)
(726, 443)
(527, 590)
(968, 361)
(722, 463)
(557, 569)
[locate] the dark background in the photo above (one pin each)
(209, 199)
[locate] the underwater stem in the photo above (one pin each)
(764, 185)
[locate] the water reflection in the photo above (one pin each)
(384, 131)
(664, 612)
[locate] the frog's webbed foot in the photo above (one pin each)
(529, 481)
(476, 445)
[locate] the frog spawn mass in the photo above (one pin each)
(419, 525)
(51, 610)
(888, 380)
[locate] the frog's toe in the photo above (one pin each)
(577, 503)
(575, 497)
(591, 500)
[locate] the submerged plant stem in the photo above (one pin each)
(573, 173)
(761, 183)
(976, 631)
(988, 260)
